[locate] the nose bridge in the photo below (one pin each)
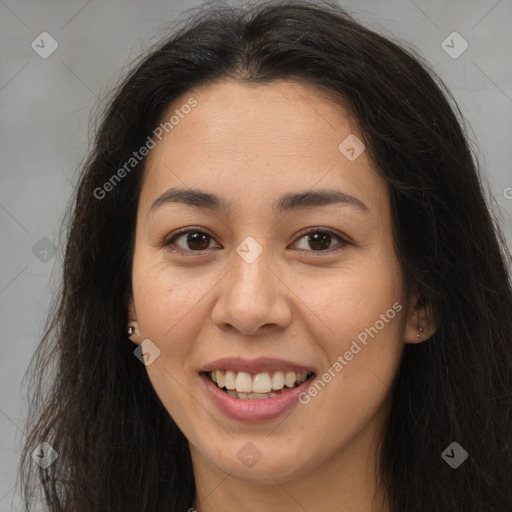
(250, 273)
(251, 296)
(251, 288)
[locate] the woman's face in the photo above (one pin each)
(284, 269)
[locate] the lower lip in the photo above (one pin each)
(254, 410)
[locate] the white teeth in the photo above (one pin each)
(244, 382)
(230, 380)
(278, 380)
(289, 379)
(261, 383)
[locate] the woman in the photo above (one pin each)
(282, 287)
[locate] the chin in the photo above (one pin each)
(261, 462)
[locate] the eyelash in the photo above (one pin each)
(169, 241)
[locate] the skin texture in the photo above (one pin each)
(250, 144)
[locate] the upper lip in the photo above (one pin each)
(259, 365)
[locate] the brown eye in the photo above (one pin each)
(190, 241)
(321, 241)
(198, 241)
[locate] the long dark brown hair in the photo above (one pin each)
(91, 399)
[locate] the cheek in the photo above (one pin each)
(358, 324)
(165, 297)
(168, 311)
(346, 302)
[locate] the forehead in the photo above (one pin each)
(263, 137)
(281, 114)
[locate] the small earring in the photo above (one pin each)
(130, 330)
(420, 328)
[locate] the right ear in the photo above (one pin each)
(132, 321)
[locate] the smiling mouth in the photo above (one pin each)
(259, 386)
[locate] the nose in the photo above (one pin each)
(252, 298)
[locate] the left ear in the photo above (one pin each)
(422, 321)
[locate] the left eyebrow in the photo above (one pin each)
(315, 198)
(292, 201)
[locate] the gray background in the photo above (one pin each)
(46, 104)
